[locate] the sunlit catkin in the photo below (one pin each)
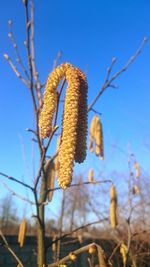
(99, 150)
(91, 176)
(22, 232)
(101, 257)
(49, 169)
(74, 125)
(113, 207)
(92, 133)
(123, 252)
(96, 137)
(57, 157)
(137, 169)
(80, 152)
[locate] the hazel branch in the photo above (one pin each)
(81, 184)
(56, 60)
(16, 194)
(16, 180)
(33, 61)
(7, 246)
(75, 230)
(108, 80)
(12, 39)
(76, 252)
(15, 70)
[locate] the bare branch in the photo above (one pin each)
(12, 39)
(16, 194)
(81, 184)
(34, 68)
(56, 60)
(16, 180)
(15, 70)
(6, 245)
(108, 81)
(75, 230)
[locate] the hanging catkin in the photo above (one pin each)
(123, 252)
(49, 170)
(91, 176)
(99, 150)
(101, 257)
(113, 207)
(22, 232)
(92, 134)
(74, 125)
(96, 137)
(80, 152)
(137, 169)
(57, 157)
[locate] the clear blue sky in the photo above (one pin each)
(89, 33)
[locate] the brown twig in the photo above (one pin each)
(108, 81)
(16, 180)
(19, 59)
(75, 230)
(76, 252)
(81, 184)
(16, 194)
(15, 70)
(6, 245)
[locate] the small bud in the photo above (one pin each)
(10, 22)
(25, 2)
(72, 256)
(6, 56)
(92, 249)
(25, 43)
(9, 34)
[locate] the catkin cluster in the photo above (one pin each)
(113, 207)
(96, 137)
(74, 124)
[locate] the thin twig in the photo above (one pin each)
(16, 180)
(6, 245)
(15, 70)
(12, 38)
(75, 230)
(16, 194)
(80, 184)
(33, 62)
(76, 252)
(108, 81)
(56, 60)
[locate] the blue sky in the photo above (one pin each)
(89, 33)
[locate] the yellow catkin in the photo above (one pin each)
(22, 232)
(99, 150)
(92, 134)
(49, 169)
(91, 176)
(72, 118)
(113, 207)
(101, 257)
(80, 152)
(57, 151)
(123, 252)
(96, 137)
(137, 169)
